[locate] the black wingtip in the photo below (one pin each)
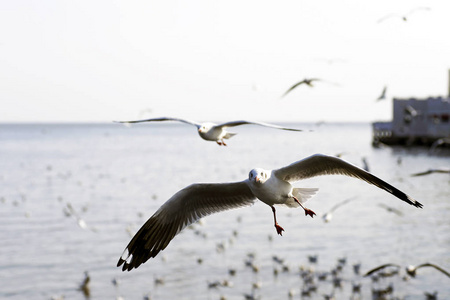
(413, 202)
(120, 262)
(418, 204)
(126, 266)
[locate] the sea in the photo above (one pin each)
(73, 195)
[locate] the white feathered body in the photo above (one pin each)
(211, 132)
(275, 191)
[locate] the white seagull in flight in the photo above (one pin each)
(210, 131)
(403, 17)
(270, 186)
(410, 270)
(307, 81)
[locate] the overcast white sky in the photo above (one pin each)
(97, 61)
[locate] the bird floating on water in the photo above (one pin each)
(210, 131)
(85, 287)
(272, 187)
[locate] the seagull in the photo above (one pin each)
(430, 171)
(210, 131)
(307, 81)
(365, 164)
(439, 142)
(273, 187)
(383, 94)
(403, 17)
(390, 209)
(411, 270)
(329, 214)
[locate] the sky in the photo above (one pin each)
(98, 61)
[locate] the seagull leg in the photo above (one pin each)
(223, 143)
(219, 143)
(277, 227)
(307, 210)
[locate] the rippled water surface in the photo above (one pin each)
(72, 195)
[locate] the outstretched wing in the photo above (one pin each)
(184, 208)
(430, 171)
(293, 87)
(434, 266)
(320, 164)
(242, 122)
(304, 81)
(389, 16)
(161, 120)
(379, 268)
(383, 94)
(417, 9)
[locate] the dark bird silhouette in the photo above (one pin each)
(431, 171)
(390, 209)
(383, 94)
(84, 287)
(374, 270)
(307, 81)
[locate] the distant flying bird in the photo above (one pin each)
(430, 171)
(210, 131)
(329, 214)
(307, 81)
(410, 270)
(403, 17)
(439, 142)
(365, 164)
(272, 187)
(390, 209)
(383, 94)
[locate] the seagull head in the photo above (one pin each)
(411, 270)
(258, 176)
(205, 127)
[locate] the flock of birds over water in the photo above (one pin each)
(312, 279)
(272, 187)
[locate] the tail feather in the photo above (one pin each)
(229, 135)
(302, 194)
